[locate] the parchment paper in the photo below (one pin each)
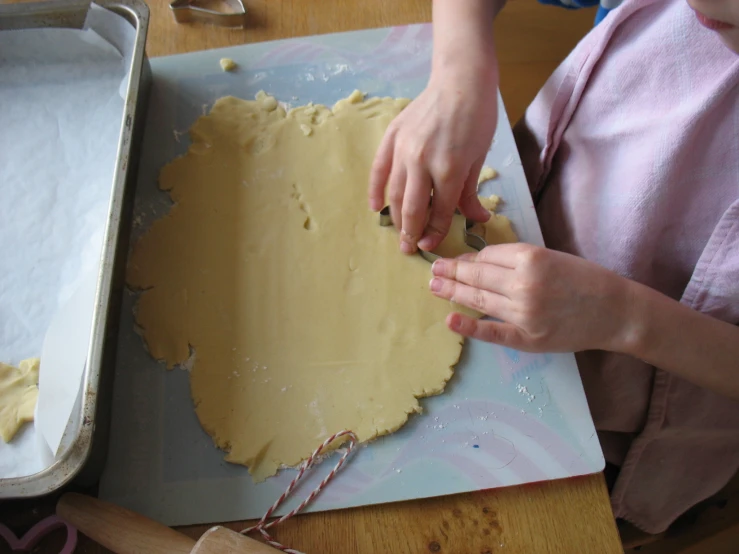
(60, 121)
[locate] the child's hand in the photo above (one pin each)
(438, 143)
(547, 301)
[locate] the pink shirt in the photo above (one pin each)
(631, 150)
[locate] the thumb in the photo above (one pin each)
(467, 257)
(469, 203)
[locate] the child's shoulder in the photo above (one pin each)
(633, 139)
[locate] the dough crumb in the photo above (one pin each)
(356, 97)
(269, 103)
(307, 131)
(227, 64)
(487, 174)
(491, 202)
(18, 395)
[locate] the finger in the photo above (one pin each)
(396, 191)
(486, 276)
(440, 219)
(469, 202)
(496, 332)
(380, 171)
(415, 208)
(467, 257)
(483, 301)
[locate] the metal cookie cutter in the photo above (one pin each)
(470, 239)
(187, 11)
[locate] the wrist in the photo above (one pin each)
(466, 75)
(635, 303)
(463, 70)
(464, 45)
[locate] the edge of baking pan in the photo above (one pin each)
(66, 13)
(85, 456)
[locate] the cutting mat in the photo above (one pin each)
(506, 418)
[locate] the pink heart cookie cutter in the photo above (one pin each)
(38, 532)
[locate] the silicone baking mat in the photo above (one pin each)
(506, 417)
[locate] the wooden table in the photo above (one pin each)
(568, 516)
(532, 39)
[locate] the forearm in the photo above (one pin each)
(463, 38)
(677, 339)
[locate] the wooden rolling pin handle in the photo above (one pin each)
(125, 532)
(119, 529)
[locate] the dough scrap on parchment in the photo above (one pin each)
(304, 317)
(18, 395)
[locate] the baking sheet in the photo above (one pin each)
(61, 109)
(506, 417)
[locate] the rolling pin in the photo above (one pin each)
(125, 532)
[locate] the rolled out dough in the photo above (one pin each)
(18, 395)
(303, 316)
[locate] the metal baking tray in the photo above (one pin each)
(83, 461)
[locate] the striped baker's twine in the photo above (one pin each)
(262, 525)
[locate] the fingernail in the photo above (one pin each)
(435, 284)
(407, 248)
(437, 267)
(455, 322)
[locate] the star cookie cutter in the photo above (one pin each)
(188, 11)
(470, 239)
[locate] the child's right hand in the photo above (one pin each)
(438, 143)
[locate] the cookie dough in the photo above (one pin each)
(302, 316)
(498, 229)
(18, 395)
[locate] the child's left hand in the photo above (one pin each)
(547, 301)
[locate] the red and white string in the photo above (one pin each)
(262, 525)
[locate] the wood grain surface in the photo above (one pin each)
(570, 516)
